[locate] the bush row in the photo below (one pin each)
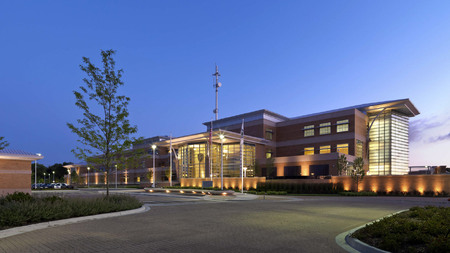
(21, 209)
(302, 188)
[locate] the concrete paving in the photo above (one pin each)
(195, 224)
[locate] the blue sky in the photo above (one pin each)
(290, 57)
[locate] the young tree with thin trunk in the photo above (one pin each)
(104, 131)
(341, 164)
(358, 172)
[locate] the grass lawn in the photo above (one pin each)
(417, 230)
(21, 209)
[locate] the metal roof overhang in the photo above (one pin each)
(403, 106)
(230, 137)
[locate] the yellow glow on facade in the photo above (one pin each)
(167, 191)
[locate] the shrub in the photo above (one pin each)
(417, 230)
(22, 209)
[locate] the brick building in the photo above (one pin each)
(15, 173)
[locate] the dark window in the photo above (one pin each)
(269, 134)
(292, 171)
(319, 170)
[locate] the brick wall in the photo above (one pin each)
(15, 175)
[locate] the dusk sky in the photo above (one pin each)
(290, 57)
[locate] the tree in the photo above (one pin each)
(358, 172)
(3, 144)
(104, 131)
(341, 164)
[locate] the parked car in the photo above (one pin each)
(66, 186)
(57, 186)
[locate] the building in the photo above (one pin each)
(305, 146)
(15, 173)
(276, 146)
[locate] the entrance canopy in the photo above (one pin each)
(229, 137)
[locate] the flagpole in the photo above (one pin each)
(242, 156)
(170, 153)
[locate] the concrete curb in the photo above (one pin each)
(353, 245)
(19, 230)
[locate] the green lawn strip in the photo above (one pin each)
(417, 230)
(21, 209)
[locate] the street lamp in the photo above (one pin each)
(116, 175)
(35, 171)
(221, 137)
(53, 176)
(154, 171)
(88, 168)
(44, 177)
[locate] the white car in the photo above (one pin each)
(57, 186)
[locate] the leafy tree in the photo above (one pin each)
(3, 144)
(341, 164)
(59, 170)
(74, 178)
(104, 131)
(358, 172)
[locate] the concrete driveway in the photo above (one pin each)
(191, 224)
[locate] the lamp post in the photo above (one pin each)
(53, 176)
(88, 168)
(44, 177)
(35, 171)
(221, 137)
(116, 175)
(154, 171)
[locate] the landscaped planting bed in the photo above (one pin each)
(21, 209)
(417, 230)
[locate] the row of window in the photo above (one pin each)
(340, 148)
(325, 128)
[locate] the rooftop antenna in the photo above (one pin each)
(217, 85)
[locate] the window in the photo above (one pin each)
(342, 126)
(325, 128)
(309, 151)
(269, 134)
(342, 148)
(269, 153)
(138, 179)
(309, 130)
(325, 149)
(359, 148)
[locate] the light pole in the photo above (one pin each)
(116, 175)
(154, 171)
(53, 176)
(44, 177)
(88, 168)
(222, 137)
(35, 171)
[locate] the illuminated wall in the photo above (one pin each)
(399, 183)
(388, 146)
(228, 182)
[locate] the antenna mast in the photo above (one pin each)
(217, 85)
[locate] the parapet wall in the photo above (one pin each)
(403, 183)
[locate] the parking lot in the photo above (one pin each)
(179, 223)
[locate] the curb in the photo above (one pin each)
(20, 230)
(354, 245)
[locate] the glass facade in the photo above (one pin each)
(388, 146)
(194, 160)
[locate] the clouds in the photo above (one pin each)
(429, 130)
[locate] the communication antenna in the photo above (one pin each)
(217, 85)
